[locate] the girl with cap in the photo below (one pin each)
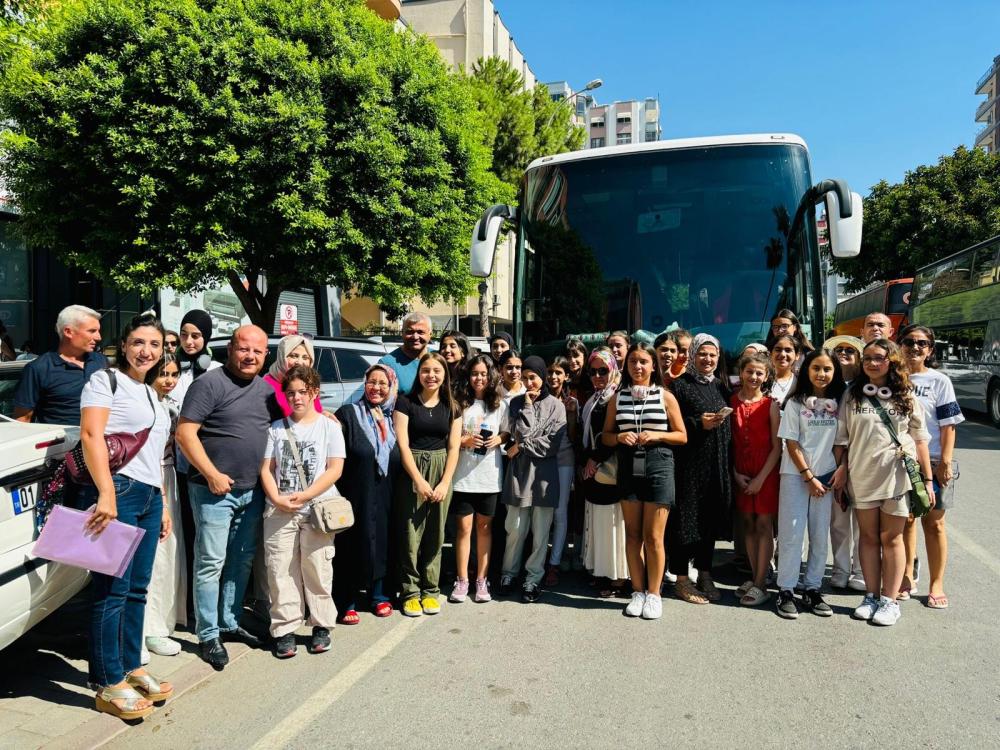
(293, 350)
(603, 523)
(702, 509)
(531, 485)
(370, 471)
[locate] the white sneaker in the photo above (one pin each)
(634, 607)
(652, 607)
(856, 583)
(163, 646)
(866, 610)
(669, 577)
(143, 657)
(888, 612)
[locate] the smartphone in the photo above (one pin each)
(725, 411)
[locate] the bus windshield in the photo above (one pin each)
(690, 238)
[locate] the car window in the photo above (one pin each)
(326, 365)
(353, 364)
(8, 384)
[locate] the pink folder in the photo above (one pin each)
(64, 540)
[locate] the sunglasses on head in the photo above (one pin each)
(916, 343)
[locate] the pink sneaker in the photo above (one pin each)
(460, 592)
(482, 591)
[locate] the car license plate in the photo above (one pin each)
(24, 499)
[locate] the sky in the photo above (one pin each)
(875, 88)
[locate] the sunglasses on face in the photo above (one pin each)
(916, 343)
(600, 371)
(846, 351)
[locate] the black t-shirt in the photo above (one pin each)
(234, 415)
(429, 427)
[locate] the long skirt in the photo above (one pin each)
(166, 599)
(604, 541)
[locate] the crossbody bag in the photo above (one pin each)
(919, 500)
(329, 513)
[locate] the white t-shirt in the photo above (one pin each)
(814, 431)
(476, 473)
(780, 390)
(131, 411)
(937, 395)
(317, 441)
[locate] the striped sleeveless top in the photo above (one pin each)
(638, 415)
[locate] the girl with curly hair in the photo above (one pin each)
(876, 477)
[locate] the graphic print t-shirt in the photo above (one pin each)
(317, 441)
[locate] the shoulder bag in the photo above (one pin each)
(919, 500)
(330, 513)
(122, 446)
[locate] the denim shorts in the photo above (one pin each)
(657, 486)
(944, 497)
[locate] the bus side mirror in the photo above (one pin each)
(845, 232)
(484, 239)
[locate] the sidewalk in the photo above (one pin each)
(45, 702)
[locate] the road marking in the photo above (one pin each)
(289, 728)
(978, 552)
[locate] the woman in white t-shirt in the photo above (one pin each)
(478, 477)
(942, 415)
(118, 401)
(303, 458)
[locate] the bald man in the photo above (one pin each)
(877, 326)
(223, 432)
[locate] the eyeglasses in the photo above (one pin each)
(916, 343)
(846, 350)
(600, 372)
(875, 360)
(781, 326)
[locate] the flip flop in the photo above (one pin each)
(351, 617)
(744, 588)
(937, 601)
(903, 595)
(754, 596)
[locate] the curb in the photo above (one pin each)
(103, 728)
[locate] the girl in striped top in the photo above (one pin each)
(644, 421)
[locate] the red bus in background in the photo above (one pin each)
(889, 297)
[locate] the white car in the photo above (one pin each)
(30, 588)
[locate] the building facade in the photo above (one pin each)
(623, 123)
(560, 91)
(988, 111)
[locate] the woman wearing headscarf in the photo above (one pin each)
(370, 471)
(604, 524)
(500, 342)
(531, 483)
(292, 350)
(702, 511)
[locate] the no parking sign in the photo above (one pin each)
(288, 315)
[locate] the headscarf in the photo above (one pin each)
(603, 357)
(380, 433)
(536, 365)
(285, 347)
(696, 343)
(757, 347)
(200, 360)
(504, 336)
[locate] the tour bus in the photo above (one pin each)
(709, 234)
(959, 298)
(889, 297)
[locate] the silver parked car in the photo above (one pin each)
(341, 363)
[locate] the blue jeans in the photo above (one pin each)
(227, 529)
(119, 604)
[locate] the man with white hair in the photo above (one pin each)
(405, 360)
(50, 388)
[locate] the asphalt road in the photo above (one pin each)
(571, 671)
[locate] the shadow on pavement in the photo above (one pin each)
(977, 433)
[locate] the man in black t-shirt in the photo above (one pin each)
(223, 432)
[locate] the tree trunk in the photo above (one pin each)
(260, 307)
(484, 310)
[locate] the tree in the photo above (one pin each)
(183, 143)
(935, 211)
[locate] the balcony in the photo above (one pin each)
(985, 107)
(984, 133)
(387, 9)
(991, 71)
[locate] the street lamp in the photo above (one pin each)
(591, 85)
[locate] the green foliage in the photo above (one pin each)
(935, 211)
(184, 142)
(519, 125)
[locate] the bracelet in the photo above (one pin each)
(809, 479)
(803, 471)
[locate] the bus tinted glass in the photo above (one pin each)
(898, 299)
(690, 237)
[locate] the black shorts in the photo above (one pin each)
(657, 486)
(467, 503)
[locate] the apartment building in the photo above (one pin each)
(560, 91)
(622, 123)
(988, 111)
